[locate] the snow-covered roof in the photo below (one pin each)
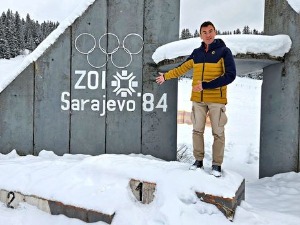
(78, 11)
(276, 46)
(295, 4)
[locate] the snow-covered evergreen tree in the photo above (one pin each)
(196, 34)
(18, 32)
(255, 31)
(246, 30)
(28, 33)
(185, 34)
(38, 34)
(238, 31)
(10, 32)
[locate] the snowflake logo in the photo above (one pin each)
(126, 79)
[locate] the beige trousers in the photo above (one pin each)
(218, 119)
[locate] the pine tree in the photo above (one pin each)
(19, 32)
(39, 34)
(10, 32)
(196, 34)
(3, 42)
(4, 49)
(5, 18)
(185, 34)
(238, 31)
(246, 30)
(255, 31)
(34, 27)
(2, 33)
(28, 33)
(182, 35)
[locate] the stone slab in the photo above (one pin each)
(143, 191)
(54, 207)
(226, 205)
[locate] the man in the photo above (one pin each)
(214, 68)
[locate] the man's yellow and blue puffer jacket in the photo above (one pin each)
(215, 68)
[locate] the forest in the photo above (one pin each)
(18, 34)
(185, 33)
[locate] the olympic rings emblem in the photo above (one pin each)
(109, 54)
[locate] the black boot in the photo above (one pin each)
(197, 164)
(216, 170)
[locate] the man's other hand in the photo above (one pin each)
(160, 79)
(198, 87)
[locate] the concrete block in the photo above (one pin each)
(143, 191)
(94, 216)
(54, 207)
(40, 203)
(226, 205)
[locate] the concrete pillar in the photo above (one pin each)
(279, 139)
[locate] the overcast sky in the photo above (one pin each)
(225, 14)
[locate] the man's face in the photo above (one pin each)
(208, 34)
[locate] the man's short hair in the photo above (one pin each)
(206, 24)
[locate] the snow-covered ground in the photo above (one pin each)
(242, 129)
(101, 182)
